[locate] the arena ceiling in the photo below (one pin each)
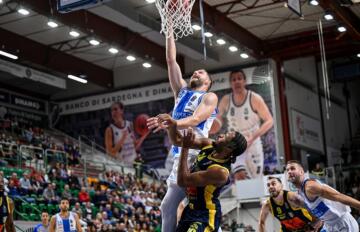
(260, 28)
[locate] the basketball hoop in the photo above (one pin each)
(175, 17)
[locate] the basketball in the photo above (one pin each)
(140, 124)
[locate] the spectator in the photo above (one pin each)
(25, 184)
(73, 181)
(49, 194)
(83, 195)
(77, 208)
(318, 170)
(15, 180)
(88, 211)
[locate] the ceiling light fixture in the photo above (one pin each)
(196, 27)
(74, 33)
(78, 79)
(233, 48)
(244, 55)
(113, 50)
(150, 1)
(52, 24)
(341, 28)
(8, 55)
(146, 65)
(208, 34)
(220, 41)
(314, 2)
(23, 11)
(131, 58)
(328, 16)
(94, 42)
(358, 55)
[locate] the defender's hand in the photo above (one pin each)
(188, 138)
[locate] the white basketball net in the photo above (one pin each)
(175, 17)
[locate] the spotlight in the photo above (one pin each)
(233, 49)
(150, 1)
(196, 27)
(113, 50)
(94, 42)
(146, 65)
(23, 11)
(328, 16)
(314, 2)
(244, 55)
(52, 24)
(220, 41)
(74, 33)
(130, 58)
(78, 79)
(358, 55)
(8, 55)
(341, 28)
(208, 34)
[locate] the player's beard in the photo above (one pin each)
(195, 83)
(274, 194)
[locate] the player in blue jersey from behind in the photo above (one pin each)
(205, 178)
(44, 225)
(195, 107)
(65, 221)
(324, 202)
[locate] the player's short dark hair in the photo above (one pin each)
(64, 199)
(274, 178)
(239, 145)
(237, 71)
(295, 162)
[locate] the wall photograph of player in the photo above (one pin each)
(248, 109)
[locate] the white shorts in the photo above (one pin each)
(346, 223)
(252, 160)
(173, 174)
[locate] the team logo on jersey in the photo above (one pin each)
(246, 113)
(193, 98)
(278, 209)
(232, 111)
(116, 133)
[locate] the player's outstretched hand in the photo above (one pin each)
(188, 138)
(162, 121)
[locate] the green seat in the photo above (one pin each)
(32, 217)
(52, 209)
(42, 207)
(25, 207)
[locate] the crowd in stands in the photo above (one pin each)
(112, 202)
(15, 135)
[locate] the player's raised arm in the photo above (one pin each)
(175, 76)
(264, 212)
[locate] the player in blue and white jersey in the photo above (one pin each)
(194, 107)
(324, 202)
(65, 221)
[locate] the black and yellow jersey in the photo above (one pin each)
(4, 211)
(204, 205)
(291, 219)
